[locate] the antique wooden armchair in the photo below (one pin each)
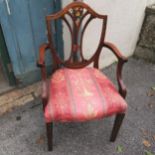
(77, 92)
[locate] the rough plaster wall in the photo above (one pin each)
(149, 2)
(124, 24)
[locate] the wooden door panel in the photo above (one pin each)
(24, 28)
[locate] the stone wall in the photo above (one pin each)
(19, 97)
(146, 45)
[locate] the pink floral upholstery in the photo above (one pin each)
(80, 95)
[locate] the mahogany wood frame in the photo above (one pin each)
(77, 47)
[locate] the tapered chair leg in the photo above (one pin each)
(49, 128)
(117, 124)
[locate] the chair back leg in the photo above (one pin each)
(117, 124)
(49, 128)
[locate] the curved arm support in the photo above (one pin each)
(115, 50)
(41, 60)
(121, 61)
(121, 85)
(41, 64)
(42, 50)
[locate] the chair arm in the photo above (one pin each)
(121, 85)
(41, 64)
(115, 50)
(41, 60)
(121, 61)
(42, 50)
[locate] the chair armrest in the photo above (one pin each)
(41, 64)
(41, 60)
(121, 85)
(42, 50)
(121, 61)
(115, 50)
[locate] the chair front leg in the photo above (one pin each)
(117, 124)
(49, 128)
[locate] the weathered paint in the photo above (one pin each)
(5, 59)
(24, 28)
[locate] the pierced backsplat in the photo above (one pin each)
(77, 11)
(77, 17)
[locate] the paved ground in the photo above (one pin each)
(22, 132)
(18, 97)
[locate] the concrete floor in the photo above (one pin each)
(22, 132)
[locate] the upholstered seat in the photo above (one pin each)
(81, 95)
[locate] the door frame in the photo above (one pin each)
(5, 60)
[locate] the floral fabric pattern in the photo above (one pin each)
(82, 95)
